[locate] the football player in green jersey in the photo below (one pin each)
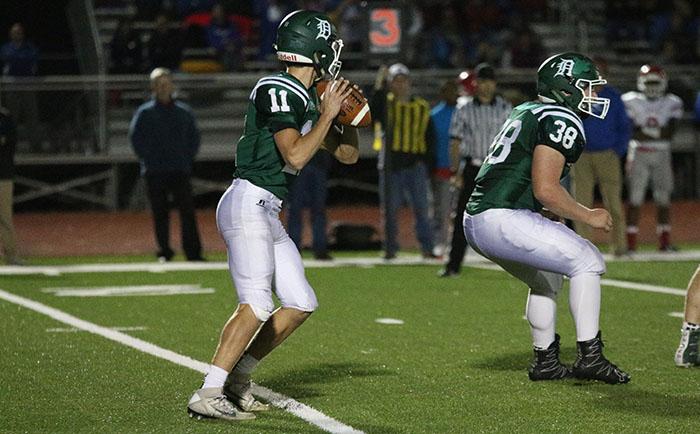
(285, 126)
(521, 176)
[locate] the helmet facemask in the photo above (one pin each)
(652, 86)
(589, 104)
(324, 65)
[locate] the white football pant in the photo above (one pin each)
(540, 252)
(260, 253)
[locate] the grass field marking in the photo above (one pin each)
(643, 287)
(286, 403)
(130, 291)
(677, 314)
(472, 259)
(75, 330)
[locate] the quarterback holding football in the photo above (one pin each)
(285, 125)
(520, 176)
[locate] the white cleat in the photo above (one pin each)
(210, 403)
(237, 390)
(687, 354)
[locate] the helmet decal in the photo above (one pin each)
(324, 29)
(566, 68)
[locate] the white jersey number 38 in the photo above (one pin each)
(500, 148)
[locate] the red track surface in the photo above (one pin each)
(126, 232)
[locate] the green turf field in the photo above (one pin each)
(457, 364)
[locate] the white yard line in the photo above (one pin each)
(130, 291)
(286, 403)
(405, 259)
(75, 330)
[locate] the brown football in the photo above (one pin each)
(355, 109)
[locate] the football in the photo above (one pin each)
(354, 111)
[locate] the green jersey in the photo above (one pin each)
(277, 102)
(505, 180)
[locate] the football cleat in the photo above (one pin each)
(211, 403)
(237, 390)
(687, 353)
(590, 363)
(546, 364)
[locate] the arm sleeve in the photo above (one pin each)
(377, 105)
(137, 135)
(195, 138)
(457, 125)
(623, 128)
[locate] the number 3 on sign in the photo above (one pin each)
(565, 135)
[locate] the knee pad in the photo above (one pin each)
(261, 313)
(590, 261)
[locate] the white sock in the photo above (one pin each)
(246, 365)
(541, 312)
(584, 303)
(216, 377)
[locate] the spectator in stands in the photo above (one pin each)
(310, 189)
(526, 51)
(187, 7)
(599, 163)
(8, 142)
(126, 49)
(165, 45)
(441, 115)
(165, 137)
(225, 39)
(403, 156)
(269, 14)
(20, 59)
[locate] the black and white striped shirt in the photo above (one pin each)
(475, 125)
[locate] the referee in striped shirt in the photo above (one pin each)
(475, 123)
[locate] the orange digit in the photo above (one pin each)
(389, 33)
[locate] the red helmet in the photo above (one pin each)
(468, 81)
(652, 81)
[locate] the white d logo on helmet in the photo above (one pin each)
(324, 29)
(566, 67)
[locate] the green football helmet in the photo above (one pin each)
(568, 79)
(310, 37)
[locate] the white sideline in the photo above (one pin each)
(404, 259)
(286, 403)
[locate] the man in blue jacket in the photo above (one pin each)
(606, 144)
(165, 137)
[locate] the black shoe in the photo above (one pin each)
(389, 256)
(323, 256)
(592, 365)
(546, 364)
(446, 272)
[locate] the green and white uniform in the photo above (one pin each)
(277, 102)
(505, 179)
(260, 253)
(502, 221)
